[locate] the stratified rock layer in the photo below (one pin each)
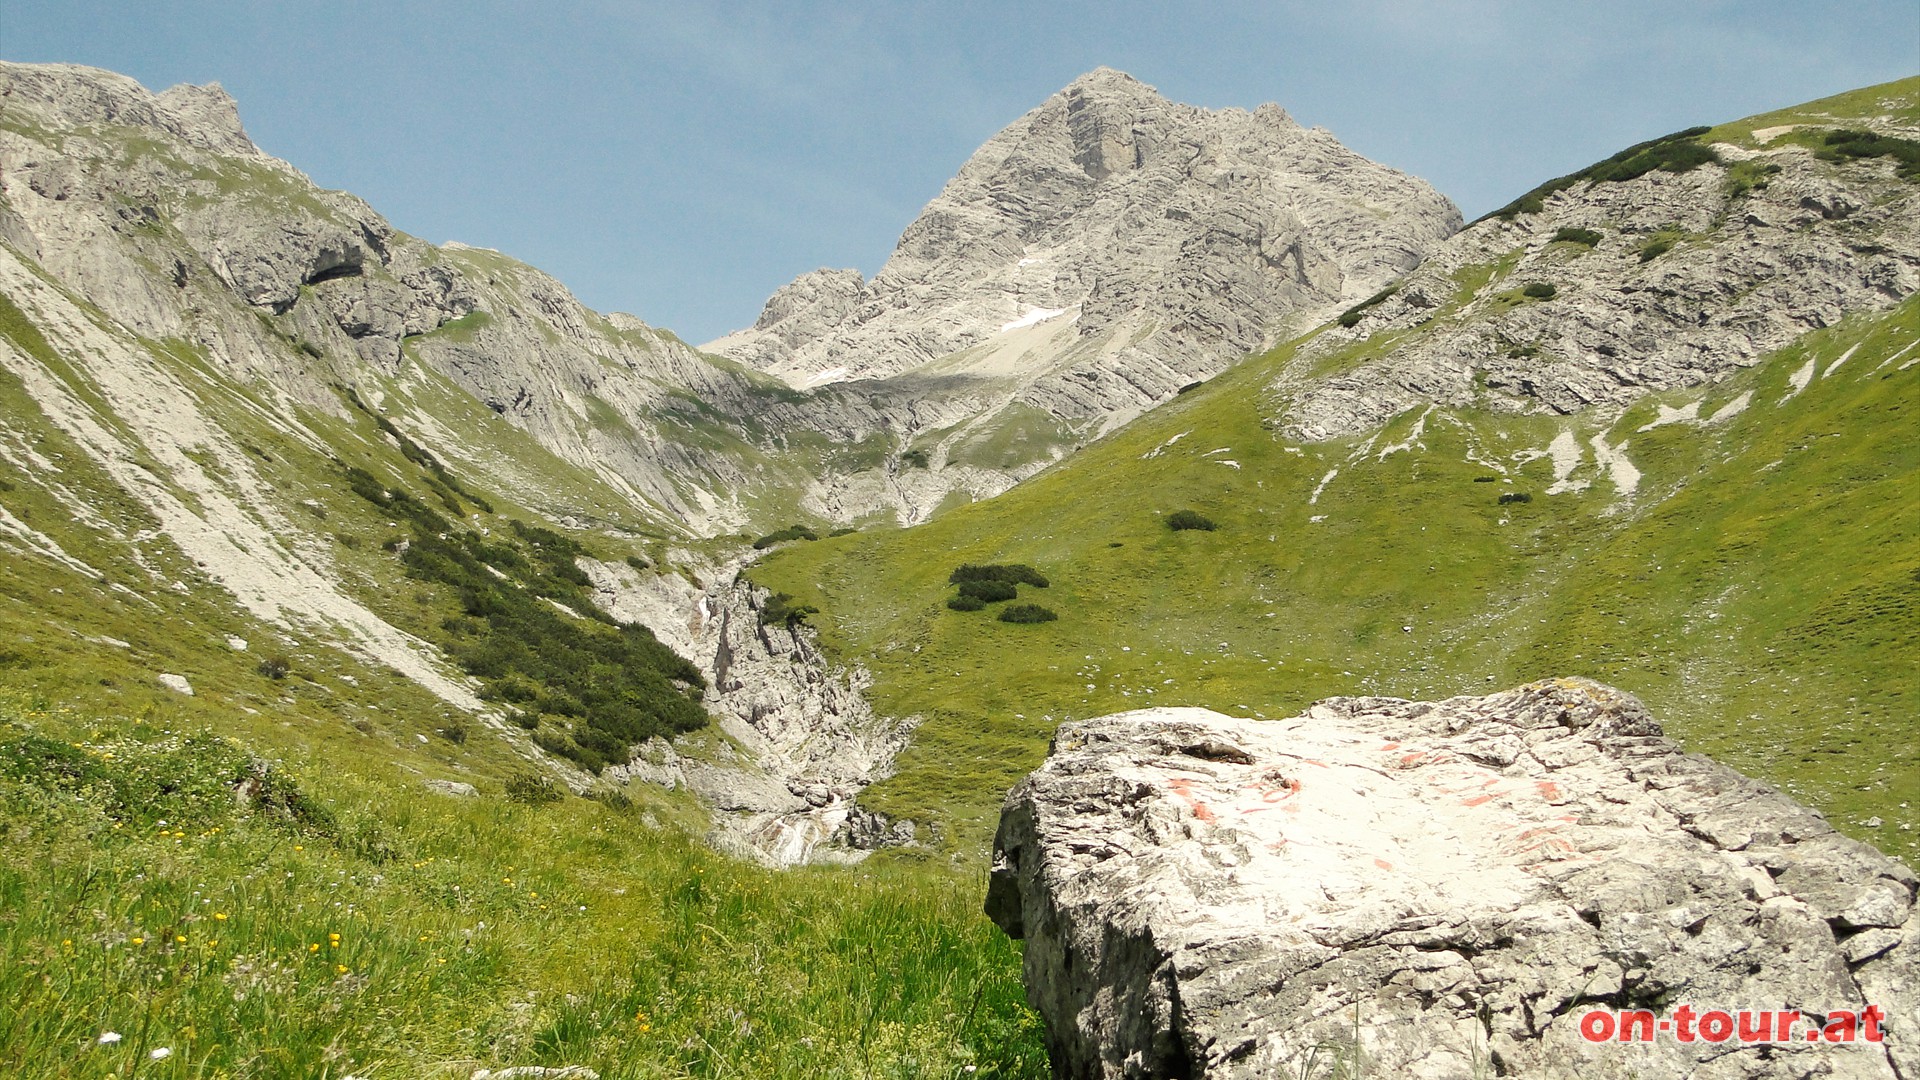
(1435, 890)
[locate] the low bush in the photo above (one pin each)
(1485, 479)
(1842, 145)
(782, 611)
(1657, 247)
(791, 532)
(1576, 235)
(1540, 290)
(1183, 520)
(1016, 573)
(1515, 497)
(1746, 176)
(963, 602)
(532, 789)
(1675, 153)
(638, 563)
(1026, 613)
(914, 459)
(1351, 317)
(989, 592)
(1190, 387)
(275, 667)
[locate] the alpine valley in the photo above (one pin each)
(408, 671)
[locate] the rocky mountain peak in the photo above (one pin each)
(60, 96)
(1093, 257)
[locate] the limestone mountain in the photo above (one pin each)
(1100, 253)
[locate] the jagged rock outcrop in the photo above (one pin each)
(1436, 890)
(1692, 277)
(808, 740)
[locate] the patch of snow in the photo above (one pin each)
(1566, 454)
(1909, 348)
(1228, 461)
(1732, 408)
(1614, 460)
(1413, 437)
(1844, 357)
(1220, 450)
(1034, 316)
(1799, 380)
(822, 378)
(1324, 481)
(1686, 414)
(1030, 260)
(1155, 452)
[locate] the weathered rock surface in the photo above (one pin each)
(1435, 890)
(1101, 252)
(1749, 270)
(808, 741)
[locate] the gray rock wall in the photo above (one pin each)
(1398, 888)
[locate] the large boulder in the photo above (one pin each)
(1392, 888)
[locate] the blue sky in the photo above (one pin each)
(680, 161)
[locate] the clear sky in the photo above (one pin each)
(682, 160)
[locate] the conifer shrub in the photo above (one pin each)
(1539, 290)
(1845, 144)
(1576, 235)
(782, 611)
(1515, 497)
(914, 459)
(963, 602)
(989, 591)
(1026, 613)
(1016, 573)
(791, 532)
(1657, 247)
(1352, 316)
(532, 789)
(1675, 153)
(1183, 520)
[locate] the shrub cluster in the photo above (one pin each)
(791, 532)
(1576, 235)
(441, 482)
(914, 459)
(782, 611)
(1842, 145)
(991, 583)
(1657, 247)
(1026, 613)
(1539, 290)
(1017, 573)
(611, 686)
(1676, 153)
(1515, 497)
(1182, 520)
(1351, 317)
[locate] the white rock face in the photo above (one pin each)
(1747, 274)
(1202, 230)
(1444, 888)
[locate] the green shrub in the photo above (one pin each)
(532, 789)
(791, 532)
(1351, 317)
(1190, 387)
(844, 530)
(1746, 176)
(1026, 613)
(1515, 497)
(1675, 153)
(1016, 573)
(1657, 246)
(914, 459)
(781, 610)
(1539, 290)
(1842, 145)
(1182, 520)
(1485, 479)
(638, 563)
(963, 602)
(274, 667)
(989, 592)
(1576, 235)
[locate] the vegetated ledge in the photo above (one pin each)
(1392, 888)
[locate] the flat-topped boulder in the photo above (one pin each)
(1391, 888)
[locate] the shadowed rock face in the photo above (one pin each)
(1434, 890)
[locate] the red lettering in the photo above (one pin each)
(1683, 1023)
(1596, 1025)
(1783, 1024)
(1636, 1026)
(1754, 1026)
(1716, 1026)
(1840, 1027)
(1871, 1017)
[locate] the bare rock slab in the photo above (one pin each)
(1417, 889)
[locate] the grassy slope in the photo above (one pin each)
(1765, 611)
(463, 938)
